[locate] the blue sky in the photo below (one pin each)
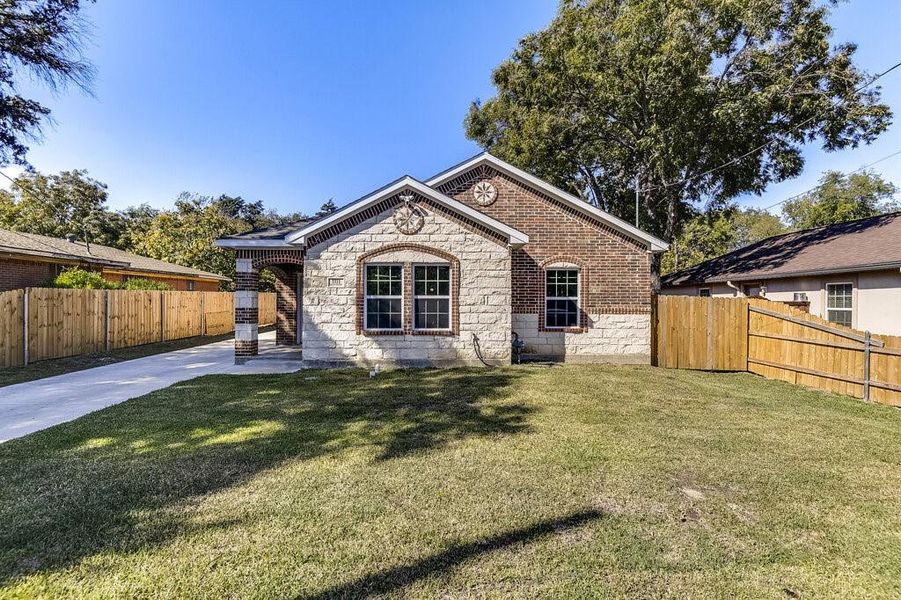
(297, 102)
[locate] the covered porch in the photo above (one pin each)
(286, 265)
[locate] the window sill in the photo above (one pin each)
(563, 329)
(395, 332)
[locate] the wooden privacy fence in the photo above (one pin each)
(43, 323)
(778, 342)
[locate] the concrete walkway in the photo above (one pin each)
(35, 405)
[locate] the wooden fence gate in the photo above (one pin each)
(778, 342)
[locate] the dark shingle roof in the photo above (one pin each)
(865, 244)
(271, 233)
(50, 247)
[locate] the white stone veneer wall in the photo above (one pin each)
(329, 313)
(610, 338)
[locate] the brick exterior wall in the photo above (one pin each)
(615, 272)
(497, 290)
(16, 274)
(175, 283)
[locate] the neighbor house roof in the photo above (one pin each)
(42, 246)
(863, 245)
(296, 233)
(299, 235)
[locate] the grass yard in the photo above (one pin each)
(565, 481)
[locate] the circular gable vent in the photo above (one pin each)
(484, 193)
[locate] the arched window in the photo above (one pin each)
(408, 289)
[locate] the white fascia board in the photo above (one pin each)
(514, 236)
(655, 244)
(238, 243)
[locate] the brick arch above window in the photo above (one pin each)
(564, 262)
(374, 256)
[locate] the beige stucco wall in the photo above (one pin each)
(329, 312)
(876, 296)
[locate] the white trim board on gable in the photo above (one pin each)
(654, 244)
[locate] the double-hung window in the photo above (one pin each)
(431, 297)
(839, 303)
(384, 297)
(561, 298)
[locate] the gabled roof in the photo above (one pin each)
(654, 244)
(863, 245)
(299, 235)
(42, 246)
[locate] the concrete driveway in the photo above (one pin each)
(35, 405)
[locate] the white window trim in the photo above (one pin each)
(851, 310)
(449, 297)
(367, 297)
(709, 292)
(578, 296)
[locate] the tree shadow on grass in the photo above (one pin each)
(399, 577)
(107, 481)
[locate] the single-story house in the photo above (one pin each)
(452, 270)
(31, 260)
(849, 273)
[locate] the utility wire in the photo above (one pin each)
(764, 145)
(816, 187)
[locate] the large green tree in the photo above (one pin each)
(39, 40)
(700, 99)
(57, 205)
(840, 198)
(715, 233)
(186, 234)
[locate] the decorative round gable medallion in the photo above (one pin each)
(408, 218)
(484, 193)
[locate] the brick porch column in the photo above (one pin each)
(247, 281)
(286, 279)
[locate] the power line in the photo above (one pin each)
(816, 187)
(764, 145)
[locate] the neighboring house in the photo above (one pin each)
(849, 273)
(31, 260)
(445, 271)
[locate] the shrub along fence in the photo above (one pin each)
(778, 342)
(43, 323)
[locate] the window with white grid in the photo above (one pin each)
(384, 297)
(561, 298)
(431, 297)
(839, 303)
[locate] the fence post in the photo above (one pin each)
(106, 343)
(25, 326)
(162, 315)
(202, 313)
(747, 323)
(866, 366)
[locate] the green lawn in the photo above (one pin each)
(564, 481)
